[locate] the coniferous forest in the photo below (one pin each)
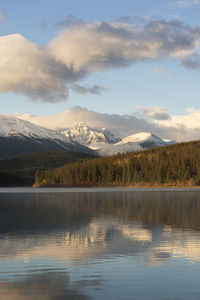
(20, 171)
(177, 165)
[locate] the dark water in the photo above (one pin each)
(109, 245)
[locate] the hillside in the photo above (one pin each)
(21, 170)
(20, 137)
(170, 165)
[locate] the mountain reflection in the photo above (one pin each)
(48, 211)
(91, 225)
(44, 286)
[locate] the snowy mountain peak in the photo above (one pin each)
(83, 134)
(145, 139)
(142, 137)
(19, 137)
(134, 142)
(12, 126)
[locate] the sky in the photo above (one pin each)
(118, 57)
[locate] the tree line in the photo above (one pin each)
(171, 165)
(20, 171)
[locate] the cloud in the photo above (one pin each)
(74, 115)
(68, 21)
(84, 90)
(46, 73)
(192, 62)
(160, 70)
(187, 3)
(104, 45)
(154, 112)
(27, 69)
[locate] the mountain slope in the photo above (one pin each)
(83, 134)
(19, 137)
(12, 126)
(145, 140)
(105, 143)
(134, 142)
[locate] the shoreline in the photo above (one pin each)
(135, 186)
(94, 189)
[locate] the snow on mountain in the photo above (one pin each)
(29, 137)
(105, 143)
(19, 137)
(131, 143)
(143, 138)
(87, 136)
(12, 126)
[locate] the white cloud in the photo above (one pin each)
(190, 121)
(103, 45)
(25, 68)
(160, 70)
(187, 3)
(154, 112)
(84, 90)
(180, 128)
(46, 73)
(68, 21)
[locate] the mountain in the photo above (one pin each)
(145, 140)
(19, 137)
(83, 134)
(105, 143)
(131, 143)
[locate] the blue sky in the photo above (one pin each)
(161, 82)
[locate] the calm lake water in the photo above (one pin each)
(114, 244)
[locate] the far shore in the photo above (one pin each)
(46, 189)
(135, 186)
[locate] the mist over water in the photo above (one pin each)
(108, 245)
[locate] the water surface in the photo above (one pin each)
(125, 244)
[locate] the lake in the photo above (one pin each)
(137, 244)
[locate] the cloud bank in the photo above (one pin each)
(47, 73)
(180, 128)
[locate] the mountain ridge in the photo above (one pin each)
(20, 137)
(105, 143)
(86, 135)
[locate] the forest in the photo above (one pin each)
(176, 165)
(20, 171)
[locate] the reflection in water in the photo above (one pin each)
(79, 246)
(45, 286)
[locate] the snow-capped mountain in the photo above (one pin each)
(145, 140)
(18, 137)
(83, 134)
(134, 142)
(105, 143)
(12, 126)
